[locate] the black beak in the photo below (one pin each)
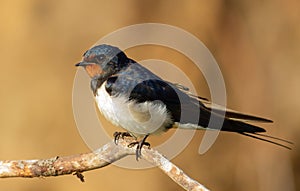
(81, 64)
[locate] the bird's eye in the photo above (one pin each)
(100, 58)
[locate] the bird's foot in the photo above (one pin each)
(139, 147)
(118, 135)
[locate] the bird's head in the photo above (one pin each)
(103, 61)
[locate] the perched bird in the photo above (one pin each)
(134, 98)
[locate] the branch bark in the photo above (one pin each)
(107, 154)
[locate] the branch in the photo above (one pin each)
(103, 156)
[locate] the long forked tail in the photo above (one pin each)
(238, 123)
(256, 136)
(253, 132)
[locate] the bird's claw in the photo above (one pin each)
(140, 144)
(118, 135)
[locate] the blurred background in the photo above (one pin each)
(256, 44)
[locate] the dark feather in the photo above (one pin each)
(242, 117)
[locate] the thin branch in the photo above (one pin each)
(103, 156)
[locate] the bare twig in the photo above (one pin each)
(104, 156)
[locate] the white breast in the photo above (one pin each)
(137, 118)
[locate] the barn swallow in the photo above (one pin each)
(135, 99)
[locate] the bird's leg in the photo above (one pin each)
(139, 147)
(118, 135)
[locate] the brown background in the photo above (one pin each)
(256, 44)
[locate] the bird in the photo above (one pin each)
(132, 97)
